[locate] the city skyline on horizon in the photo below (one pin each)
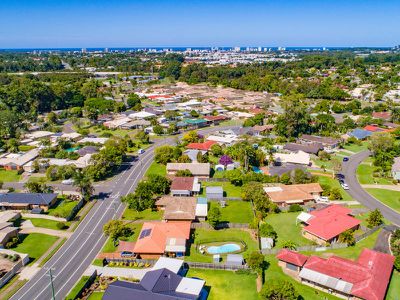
(115, 24)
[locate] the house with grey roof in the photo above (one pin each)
(27, 201)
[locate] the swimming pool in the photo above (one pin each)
(72, 149)
(225, 248)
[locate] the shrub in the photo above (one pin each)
(61, 225)
(12, 243)
(289, 245)
(266, 230)
(375, 218)
(295, 208)
(279, 289)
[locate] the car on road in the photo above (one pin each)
(344, 186)
(345, 159)
(339, 176)
(140, 151)
(127, 254)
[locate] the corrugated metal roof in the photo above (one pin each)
(325, 280)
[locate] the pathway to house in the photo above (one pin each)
(117, 272)
(41, 216)
(59, 233)
(382, 186)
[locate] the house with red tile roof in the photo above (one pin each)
(366, 278)
(384, 115)
(185, 186)
(326, 224)
(205, 146)
(162, 238)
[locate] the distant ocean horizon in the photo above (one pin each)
(127, 49)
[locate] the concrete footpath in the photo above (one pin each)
(117, 272)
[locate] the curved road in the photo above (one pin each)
(349, 170)
(73, 258)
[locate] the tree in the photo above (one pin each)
(375, 218)
(335, 194)
(134, 102)
(295, 208)
(159, 184)
(191, 137)
(9, 123)
(84, 184)
(216, 150)
(38, 187)
(202, 158)
(13, 145)
(116, 229)
(89, 89)
(256, 262)
(157, 129)
(143, 137)
(347, 237)
(266, 230)
(164, 154)
(289, 245)
(194, 114)
(172, 128)
(183, 173)
(225, 160)
(214, 216)
(279, 289)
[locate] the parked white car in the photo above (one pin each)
(322, 199)
(140, 151)
(345, 186)
(68, 181)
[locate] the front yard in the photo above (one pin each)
(156, 168)
(44, 223)
(227, 284)
(223, 235)
(9, 176)
(35, 244)
(365, 175)
(235, 211)
(63, 208)
(357, 148)
(286, 228)
(388, 197)
(333, 183)
(109, 246)
(148, 214)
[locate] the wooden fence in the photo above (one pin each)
(360, 237)
(315, 248)
(222, 225)
(198, 265)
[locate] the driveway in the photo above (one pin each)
(349, 169)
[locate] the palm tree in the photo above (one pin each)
(84, 184)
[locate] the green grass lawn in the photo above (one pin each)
(320, 163)
(148, 214)
(50, 224)
(364, 175)
(229, 189)
(220, 236)
(394, 287)
(109, 246)
(275, 272)
(227, 284)
(235, 211)
(388, 197)
(96, 296)
(35, 244)
(9, 176)
(357, 148)
(334, 183)
(78, 286)
(62, 209)
(156, 168)
(286, 228)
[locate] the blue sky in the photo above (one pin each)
(139, 23)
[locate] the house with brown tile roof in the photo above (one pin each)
(177, 208)
(284, 195)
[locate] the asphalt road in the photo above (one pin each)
(73, 258)
(349, 170)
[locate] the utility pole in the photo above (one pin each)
(50, 274)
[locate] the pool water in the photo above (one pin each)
(72, 149)
(226, 248)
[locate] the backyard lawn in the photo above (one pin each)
(223, 235)
(229, 189)
(35, 244)
(235, 211)
(286, 228)
(394, 287)
(227, 284)
(275, 272)
(148, 214)
(50, 224)
(334, 183)
(156, 168)
(109, 245)
(388, 197)
(62, 209)
(364, 175)
(9, 176)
